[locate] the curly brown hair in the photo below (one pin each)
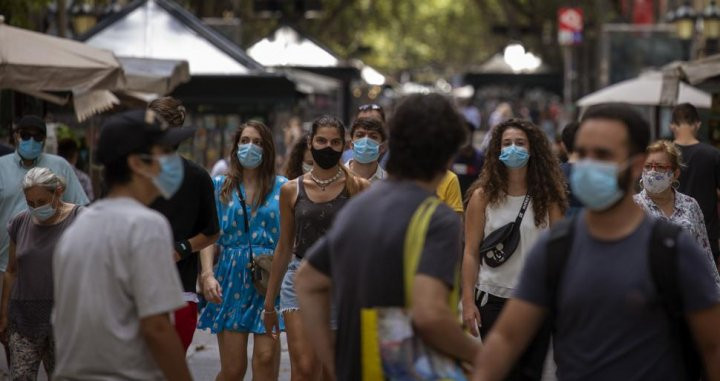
(545, 181)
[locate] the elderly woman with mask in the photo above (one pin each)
(27, 293)
(660, 199)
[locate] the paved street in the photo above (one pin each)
(203, 358)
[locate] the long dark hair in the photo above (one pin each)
(351, 182)
(545, 182)
(293, 168)
(266, 169)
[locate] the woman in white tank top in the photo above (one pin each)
(519, 163)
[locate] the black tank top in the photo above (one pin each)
(312, 220)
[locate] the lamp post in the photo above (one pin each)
(688, 22)
(711, 27)
(684, 20)
(83, 16)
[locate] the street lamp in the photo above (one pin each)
(84, 17)
(684, 20)
(711, 21)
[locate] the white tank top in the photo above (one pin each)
(502, 280)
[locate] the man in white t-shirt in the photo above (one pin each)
(114, 279)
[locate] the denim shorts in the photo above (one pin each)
(288, 297)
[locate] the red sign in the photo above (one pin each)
(644, 12)
(570, 26)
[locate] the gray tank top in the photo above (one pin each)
(312, 220)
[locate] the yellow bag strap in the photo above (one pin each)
(414, 243)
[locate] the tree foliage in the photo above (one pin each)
(24, 13)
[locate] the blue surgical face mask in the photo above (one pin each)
(43, 213)
(595, 183)
(30, 149)
(514, 156)
(171, 175)
(366, 150)
(250, 155)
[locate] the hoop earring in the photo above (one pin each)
(675, 185)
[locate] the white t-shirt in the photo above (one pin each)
(502, 280)
(112, 267)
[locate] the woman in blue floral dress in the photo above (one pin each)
(659, 199)
(248, 211)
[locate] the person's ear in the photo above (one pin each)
(139, 166)
(676, 174)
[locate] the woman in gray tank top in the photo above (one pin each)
(27, 293)
(308, 206)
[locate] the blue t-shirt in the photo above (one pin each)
(610, 324)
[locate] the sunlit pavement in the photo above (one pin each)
(203, 358)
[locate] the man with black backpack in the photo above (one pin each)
(630, 298)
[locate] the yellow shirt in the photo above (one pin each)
(449, 191)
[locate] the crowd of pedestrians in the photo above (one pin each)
(364, 251)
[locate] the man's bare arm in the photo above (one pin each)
(517, 325)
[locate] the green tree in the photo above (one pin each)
(24, 13)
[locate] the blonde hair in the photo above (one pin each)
(670, 149)
(43, 177)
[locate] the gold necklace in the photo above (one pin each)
(324, 183)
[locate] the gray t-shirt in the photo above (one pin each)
(363, 253)
(31, 297)
(113, 267)
(610, 324)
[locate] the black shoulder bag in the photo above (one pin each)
(260, 265)
(501, 244)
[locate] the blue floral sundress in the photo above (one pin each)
(242, 305)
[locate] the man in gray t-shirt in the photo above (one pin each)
(115, 281)
(609, 324)
(361, 258)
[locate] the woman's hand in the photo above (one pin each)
(270, 320)
(211, 289)
(471, 317)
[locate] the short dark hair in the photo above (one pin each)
(426, 131)
(67, 147)
(685, 113)
(568, 136)
(637, 127)
(369, 124)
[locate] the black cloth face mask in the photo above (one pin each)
(326, 158)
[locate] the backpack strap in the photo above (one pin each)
(663, 262)
(558, 251)
(415, 242)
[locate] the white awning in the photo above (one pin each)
(150, 31)
(286, 47)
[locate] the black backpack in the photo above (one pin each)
(662, 258)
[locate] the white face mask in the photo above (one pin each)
(656, 182)
(306, 168)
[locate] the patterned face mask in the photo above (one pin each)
(655, 181)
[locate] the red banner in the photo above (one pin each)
(643, 12)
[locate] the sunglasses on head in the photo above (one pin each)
(27, 135)
(370, 106)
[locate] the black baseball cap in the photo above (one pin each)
(31, 122)
(136, 131)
